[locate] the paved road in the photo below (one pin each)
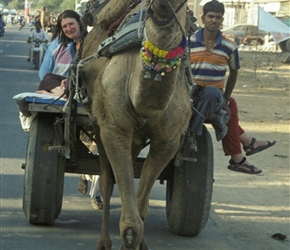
(78, 225)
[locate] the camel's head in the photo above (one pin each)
(170, 10)
(165, 37)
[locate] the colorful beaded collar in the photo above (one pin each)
(161, 61)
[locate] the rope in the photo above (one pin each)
(174, 13)
(142, 27)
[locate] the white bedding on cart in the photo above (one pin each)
(25, 116)
(20, 100)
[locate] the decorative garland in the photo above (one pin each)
(161, 61)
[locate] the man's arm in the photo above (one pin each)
(45, 36)
(31, 36)
(231, 82)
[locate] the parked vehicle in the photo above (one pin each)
(36, 53)
(245, 33)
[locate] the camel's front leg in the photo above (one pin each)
(160, 154)
(118, 150)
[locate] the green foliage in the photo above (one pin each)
(56, 6)
(14, 4)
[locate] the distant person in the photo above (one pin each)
(96, 199)
(37, 17)
(44, 18)
(269, 44)
(2, 24)
(12, 19)
(37, 33)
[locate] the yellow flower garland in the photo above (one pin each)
(154, 50)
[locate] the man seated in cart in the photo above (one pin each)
(213, 94)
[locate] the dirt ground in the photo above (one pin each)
(251, 208)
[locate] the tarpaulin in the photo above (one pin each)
(269, 23)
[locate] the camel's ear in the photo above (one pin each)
(190, 25)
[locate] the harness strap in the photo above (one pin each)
(105, 48)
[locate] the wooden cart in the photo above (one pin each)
(54, 147)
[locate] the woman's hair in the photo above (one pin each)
(58, 33)
(213, 6)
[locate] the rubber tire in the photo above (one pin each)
(36, 60)
(44, 173)
(285, 46)
(189, 192)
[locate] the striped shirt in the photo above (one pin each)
(209, 67)
(57, 59)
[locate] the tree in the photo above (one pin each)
(57, 6)
(14, 4)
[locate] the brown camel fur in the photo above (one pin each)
(130, 110)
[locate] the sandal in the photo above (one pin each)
(83, 186)
(97, 203)
(243, 167)
(250, 150)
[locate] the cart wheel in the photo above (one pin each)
(44, 173)
(189, 192)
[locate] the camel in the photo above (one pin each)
(130, 106)
(44, 18)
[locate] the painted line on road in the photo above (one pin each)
(18, 70)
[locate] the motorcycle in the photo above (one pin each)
(21, 24)
(36, 53)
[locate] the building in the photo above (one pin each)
(244, 11)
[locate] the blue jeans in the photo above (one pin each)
(209, 100)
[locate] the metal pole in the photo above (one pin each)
(26, 12)
(196, 10)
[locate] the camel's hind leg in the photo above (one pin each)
(106, 187)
